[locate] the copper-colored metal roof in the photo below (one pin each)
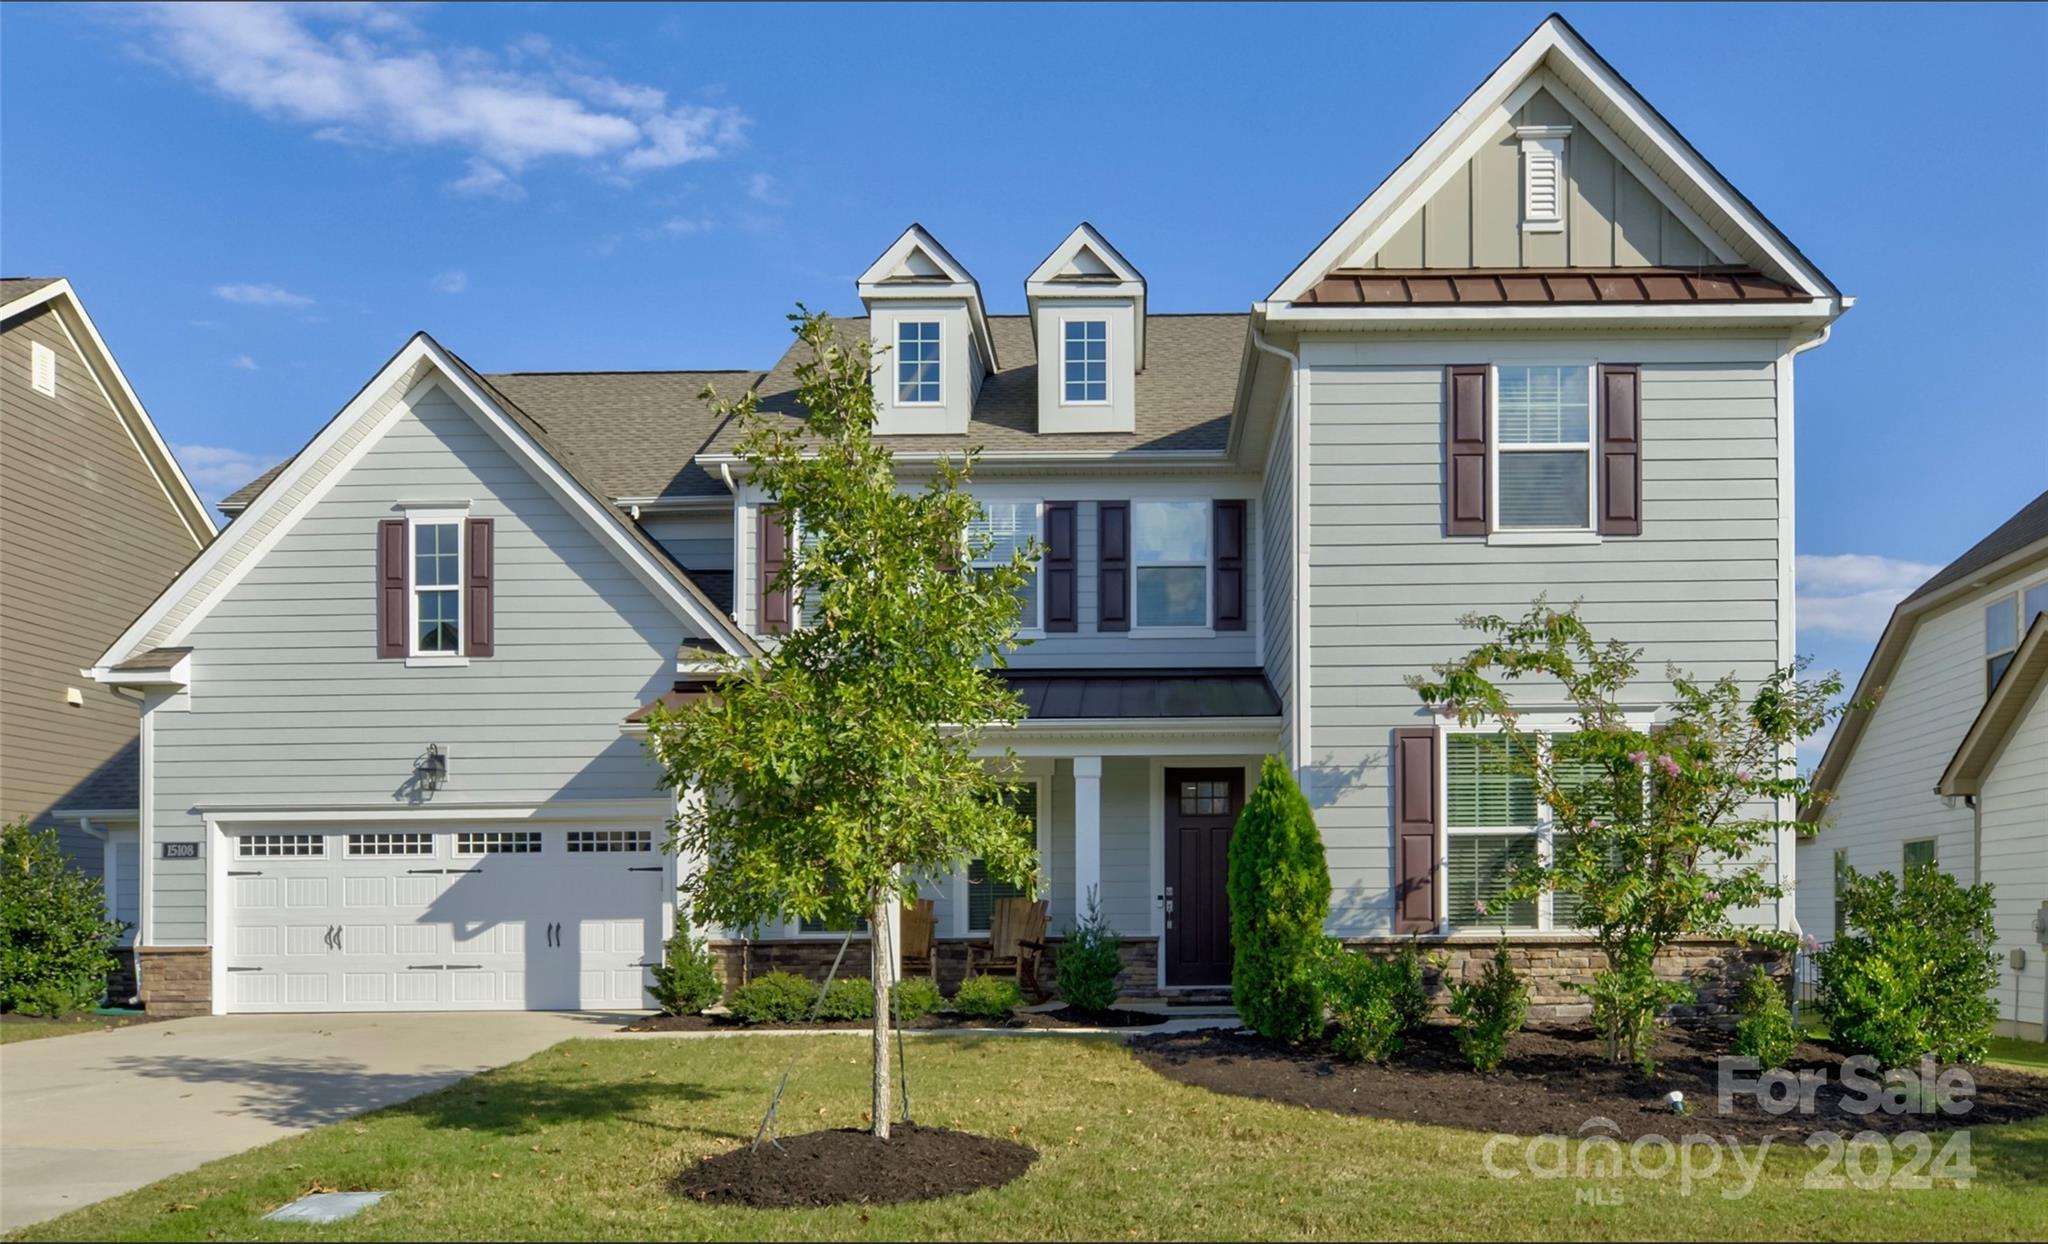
(1436, 287)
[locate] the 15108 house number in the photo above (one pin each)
(181, 850)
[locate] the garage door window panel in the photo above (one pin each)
(630, 840)
(276, 846)
(498, 842)
(372, 845)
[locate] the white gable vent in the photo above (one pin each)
(1543, 176)
(43, 368)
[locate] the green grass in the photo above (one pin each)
(579, 1142)
(35, 1028)
(2025, 1055)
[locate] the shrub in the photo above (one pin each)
(1090, 962)
(848, 997)
(774, 998)
(1764, 1030)
(1489, 1010)
(1628, 997)
(685, 982)
(916, 997)
(1374, 1003)
(987, 997)
(56, 943)
(1914, 972)
(1279, 885)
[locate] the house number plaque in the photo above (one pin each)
(181, 850)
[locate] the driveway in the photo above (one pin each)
(86, 1117)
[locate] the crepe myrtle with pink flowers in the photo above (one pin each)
(1658, 828)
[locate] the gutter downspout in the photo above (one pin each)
(1788, 839)
(1298, 443)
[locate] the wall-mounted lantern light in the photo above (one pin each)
(432, 768)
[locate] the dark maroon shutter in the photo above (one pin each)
(391, 580)
(772, 550)
(1415, 830)
(1113, 566)
(1228, 521)
(1062, 612)
(477, 607)
(1465, 437)
(1621, 450)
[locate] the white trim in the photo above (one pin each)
(897, 364)
(1079, 317)
(354, 813)
(1788, 595)
(416, 517)
(1605, 315)
(1234, 736)
(145, 828)
(1534, 537)
(1496, 444)
(1206, 629)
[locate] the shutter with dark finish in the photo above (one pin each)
(1621, 450)
(477, 605)
(1062, 608)
(1228, 521)
(391, 581)
(1465, 445)
(1415, 830)
(1113, 566)
(771, 551)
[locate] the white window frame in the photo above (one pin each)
(938, 343)
(1041, 786)
(417, 517)
(1034, 626)
(2012, 603)
(1206, 628)
(1107, 382)
(1588, 533)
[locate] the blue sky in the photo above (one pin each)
(259, 204)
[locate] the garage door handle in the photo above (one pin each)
(435, 871)
(651, 868)
(234, 969)
(464, 967)
(253, 873)
(424, 967)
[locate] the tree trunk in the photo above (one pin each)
(881, 962)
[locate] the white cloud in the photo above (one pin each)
(762, 189)
(487, 180)
(453, 281)
(683, 226)
(365, 73)
(1852, 594)
(242, 362)
(260, 294)
(216, 471)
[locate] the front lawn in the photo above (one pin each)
(14, 1027)
(580, 1142)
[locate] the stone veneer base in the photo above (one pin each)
(176, 980)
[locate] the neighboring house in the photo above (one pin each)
(1948, 765)
(393, 718)
(95, 518)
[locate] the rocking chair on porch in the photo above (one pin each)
(1016, 942)
(920, 950)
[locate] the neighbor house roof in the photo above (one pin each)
(115, 786)
(2002, 712)
(2025, 533)
(1183, 396)
(13, 287)
(634, 434)
(1411, 287)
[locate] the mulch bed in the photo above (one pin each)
(1553, 1081)
(849, 1166)
(1065, 1017)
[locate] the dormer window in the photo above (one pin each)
(917, 363)
(1086, 356)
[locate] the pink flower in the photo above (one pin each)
(1479, 905)
(1713, 896)
(1742, 774)
(1638, 757)
(1667, 764)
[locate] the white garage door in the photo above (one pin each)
(507, 918)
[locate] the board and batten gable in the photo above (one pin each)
(91, 536)
(291, 706)
(1700, 587)
(1086, 647)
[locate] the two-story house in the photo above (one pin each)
(1946, 763)
(391, 748)
(95, 518)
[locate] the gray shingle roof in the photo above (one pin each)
(2009, 537)
(13, 287)
(116, 785)
(1184, 395)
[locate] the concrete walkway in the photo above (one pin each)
(92, 1115)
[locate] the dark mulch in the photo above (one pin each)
(1065, 1017)
(850, 1166)
(1555, 1080)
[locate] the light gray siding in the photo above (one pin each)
(698, 541)
(291, 705)
(1276, 579)
(2015, 860)
(1699, 587)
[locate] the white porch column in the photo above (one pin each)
(1087, 831)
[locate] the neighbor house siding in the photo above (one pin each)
(291, 706)
(2014, 857)
(1699, 587)
(697, 541)
(90, 538)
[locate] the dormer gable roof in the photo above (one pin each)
(1557, 61)
(915, 265)
(1085, 265)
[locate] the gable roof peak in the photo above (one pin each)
(917, 265)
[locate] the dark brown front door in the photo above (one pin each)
(1201, 811)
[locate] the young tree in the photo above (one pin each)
(1279, 886)
(841, 766)
(1660, 832)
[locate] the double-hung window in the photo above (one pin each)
(2001, 639)
(1543, 449)
(436, 542)
(1009, 526)
(1170, 540)
(917, 363)
(1495, 825)
(1085, 354)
